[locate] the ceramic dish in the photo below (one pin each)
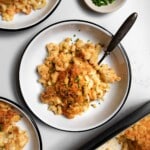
(105, 9)
(26, 21)
(34, 54)
(108, 138)
(28, 124)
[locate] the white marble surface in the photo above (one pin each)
(136, 43)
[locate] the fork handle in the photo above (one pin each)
(122, 31)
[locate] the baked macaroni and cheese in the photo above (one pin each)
(11, 136)
(8, 8)
(136, 137)
(71, 77)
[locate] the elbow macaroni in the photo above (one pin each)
(71, 77)
(8, 8)
(11, 136)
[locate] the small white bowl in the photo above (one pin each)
(105, 9)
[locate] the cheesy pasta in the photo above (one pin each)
(8, 8)
(71, 77)
(11, 136)
(137, 136)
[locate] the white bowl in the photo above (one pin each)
(105, 9)
(34, 54)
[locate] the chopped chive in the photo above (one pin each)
(102, 2)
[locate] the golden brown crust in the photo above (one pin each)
(11, 136)
(137, 137)
(72, 78)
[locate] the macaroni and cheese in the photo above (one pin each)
(8, 8)
(136, 137)
(71, 77)
(11, 136)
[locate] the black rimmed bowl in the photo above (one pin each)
(34, 55)
(28, 124)
(21, 22)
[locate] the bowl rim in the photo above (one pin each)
(124, 53)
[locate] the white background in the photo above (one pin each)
(136, 43)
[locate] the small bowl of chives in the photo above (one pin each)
(104, 6)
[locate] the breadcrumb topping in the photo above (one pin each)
(71, 77)
(11, 136)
